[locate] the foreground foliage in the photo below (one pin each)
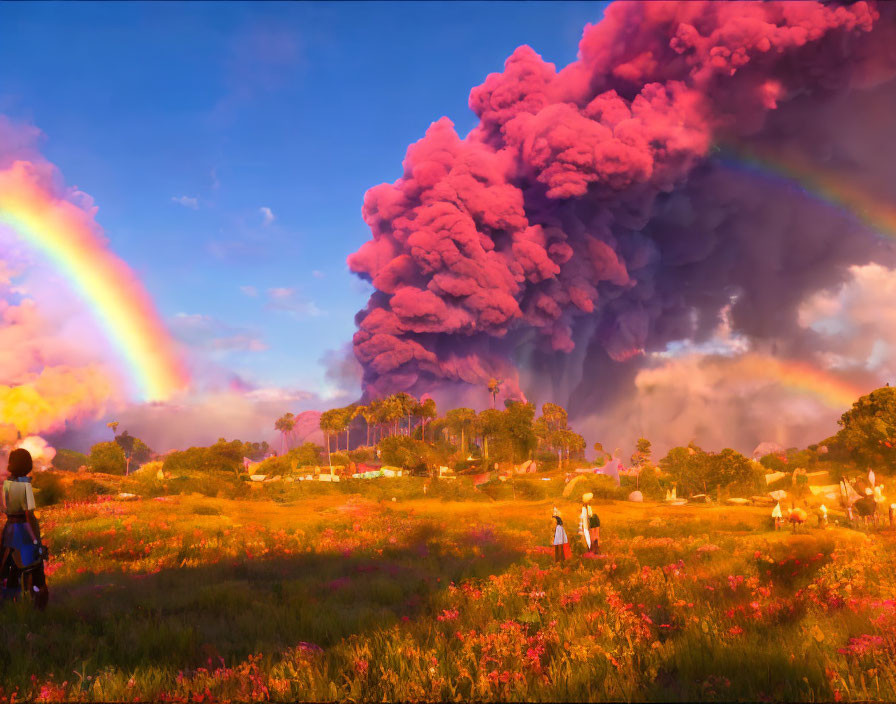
(193, 598)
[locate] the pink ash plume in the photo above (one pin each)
(587, 220)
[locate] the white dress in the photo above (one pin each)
(560, 535)
(583, 526)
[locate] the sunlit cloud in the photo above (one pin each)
(186, 201)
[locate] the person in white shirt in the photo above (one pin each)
(21, 552)
(561, 540)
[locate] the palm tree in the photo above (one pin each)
(405, 404)
(325, 427)
(392, 413)
(364, 412)
(346, 416)
(285, 424)
(425, 411)
(114, 426)
(494, 386)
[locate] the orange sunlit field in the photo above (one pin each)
(326, 594)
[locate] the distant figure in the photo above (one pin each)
(866, 507)
(823, 516)
(561, 540)
(589, 525)
(797, 517)
(871, 477)
(21, 552)
(777, 515)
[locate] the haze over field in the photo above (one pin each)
(677, 222)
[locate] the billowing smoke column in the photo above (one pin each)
(593, 215)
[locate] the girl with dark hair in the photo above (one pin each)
(561, 539)
(21, 552)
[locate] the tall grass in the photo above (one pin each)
(317, 592)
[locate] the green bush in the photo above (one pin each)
(498, 490)
(648, 483)
(69, 460)
(400, 451)
(87, 489)
(452, 490)
(108, 458)
(274, 466)
(530, 489)
(306, 455)
(602, 486)
(223, 456)
(339, 459)
(214, 485)
(362, 454)
(48, 489)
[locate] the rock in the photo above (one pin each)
(258, 477)
(636, 496)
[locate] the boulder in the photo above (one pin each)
(636, 496)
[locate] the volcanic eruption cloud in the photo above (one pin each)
(598, 214)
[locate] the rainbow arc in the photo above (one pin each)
(63, 233)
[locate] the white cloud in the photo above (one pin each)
(205, 332)
(267, 215)
(290, 301)
(856, 322)
(187, 201)
(250, 291)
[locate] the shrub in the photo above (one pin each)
(223, 456)
(48, 489)
(362, 454)
(108, 458)
(450, 490)
(602, 486)
(87, 489)
(648, 483)
(339, 459)
(406, 452)
(306, 455)
(498, 490)
(274, 466)
(530, 490)
(69, 460)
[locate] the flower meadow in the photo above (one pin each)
(185, 598)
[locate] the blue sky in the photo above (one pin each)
(184, 121)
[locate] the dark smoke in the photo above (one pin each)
(591, 217)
